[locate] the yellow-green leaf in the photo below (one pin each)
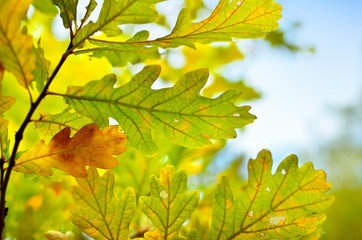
(180, 113)
(121, 54)
(169, 205)
(89, 147)
(41, 72)
(16, 47)
(3, 136)
(114, 13)
(230, 19)
(287, 204)
(48, 125)
(98, 212)
(6, 102)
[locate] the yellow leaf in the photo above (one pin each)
(15, 47)
(89, 147)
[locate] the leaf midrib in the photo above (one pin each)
(144, 108)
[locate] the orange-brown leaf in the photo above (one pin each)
(89, 147)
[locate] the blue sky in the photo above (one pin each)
(301, 90)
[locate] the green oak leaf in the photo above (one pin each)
(169, 205)
(91, 6)
(179, 113)
(41, 71)
(121, 54)
(230, 19)
(114, 13)
(98, 212)
(68, 11)
(48, 125)
(287, 204)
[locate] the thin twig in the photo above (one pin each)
(19, 137)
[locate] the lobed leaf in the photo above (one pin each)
(178, 112)
(89, 147)
(68, 11)
(98, 212)
(16, 47)
(121, 54)
(230, 19)
(288, 204)
(41, 72)
(114, 13)
(169, 205)
(48, 125)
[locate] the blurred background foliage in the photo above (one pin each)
(39, 204)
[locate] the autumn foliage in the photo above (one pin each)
(161, 136)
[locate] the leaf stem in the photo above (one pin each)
(19, 136)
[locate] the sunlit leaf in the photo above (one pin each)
(16, 47)
(287, 204)
(6, 102)
(230, 19)
(41, 71)
(121, 54)
(68, 11)
(169, 205)
(48, 125)
(178, 112)
(89, 147)
(98, 212)
(45, 6)
(114, 13)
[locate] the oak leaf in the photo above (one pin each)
(287, 204)
(179, 112)
(114, 13)
(98, 212)
(230, 19)
(15, 46)
(89, 147)
(169, 205)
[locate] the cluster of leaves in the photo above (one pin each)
(158, 127)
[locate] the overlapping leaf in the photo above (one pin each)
(288, 204)
(121, 54)
(6, 102)
(169, 205)
(41, 71)
(16, 47)
(68, 11)
(48, 125)
(89, 147)
(178, 112)
(230, 19)
(98, 212)
(114, 13)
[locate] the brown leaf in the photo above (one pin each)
(89, 147)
